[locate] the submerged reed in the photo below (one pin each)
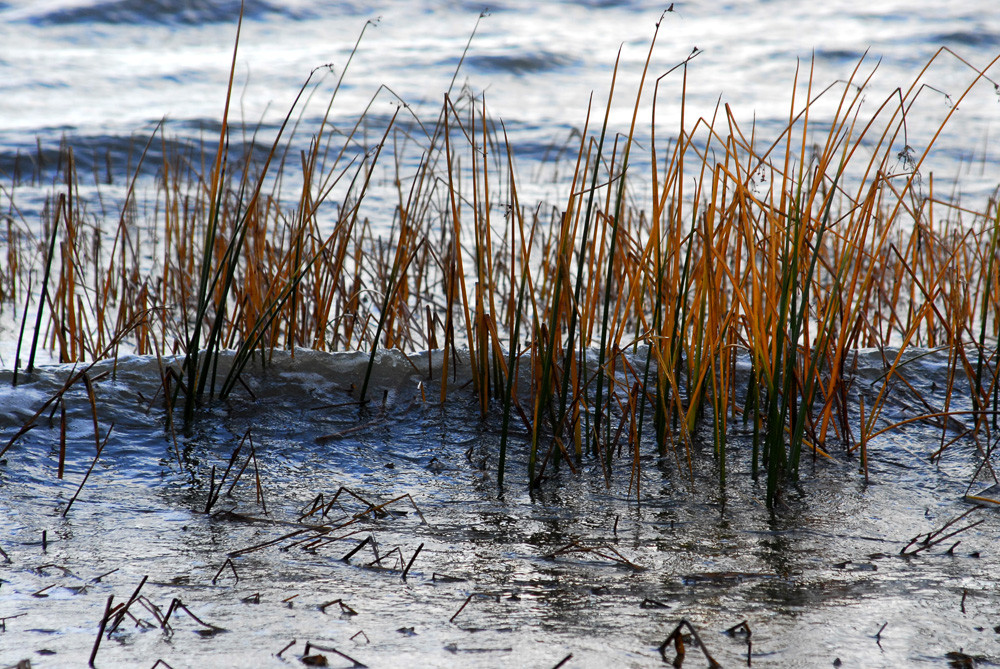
(606, 324)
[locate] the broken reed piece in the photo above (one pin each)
(213, 491)
(412, 559)
(152, 608)
(677, 638)
(330, 649)
(377, 562)
(563, 661)
(360, 633)
(344, 608)
(464, 604)
(941, 534)
(86, 476)
(41, 593)
(176, 604)
(256, 472)
(252, 457)
(290, 644)
(364, 542)
(236, 479)
(601, 550)
(41, 569)
(229, 562)
(739, 628)
(100, 630)
(62, 440)
(653, 604)
(124, 609)
(321, 539)
(743, 629)
(212, 495)
(491, 595)
(4, 619)
(314, 506)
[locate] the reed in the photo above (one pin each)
(607, 325)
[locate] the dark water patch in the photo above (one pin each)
(614, 4)
(110, 159)
(521, 63)
(844, 56)
(979, 39)
(166, 12)
(104, 159)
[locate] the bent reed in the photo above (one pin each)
(608, 324)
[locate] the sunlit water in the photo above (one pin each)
(816, 580)
(103, 74)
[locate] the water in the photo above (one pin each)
(816, 579)
(103, 74)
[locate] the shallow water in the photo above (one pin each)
(815, 580)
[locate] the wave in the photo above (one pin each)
(166, 12)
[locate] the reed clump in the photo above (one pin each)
(731, 295)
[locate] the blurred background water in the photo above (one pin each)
(103, 74)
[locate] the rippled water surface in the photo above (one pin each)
(602, 572)
(575, 568)
(102, 74)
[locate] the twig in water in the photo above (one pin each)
(412, 559)
(344, 608)
(377, 562)
(938, 536)
(86, 476)
(290, 644)
(677, 638)
(41, 593)
(327, 649)
(739, 628)
(563, 661)
(743, 628)
(100, 631)
(652, 604)
(601, 550)
(364, 542)
(177, 604)
(229, 561)
(123, 610)
(464, 604)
